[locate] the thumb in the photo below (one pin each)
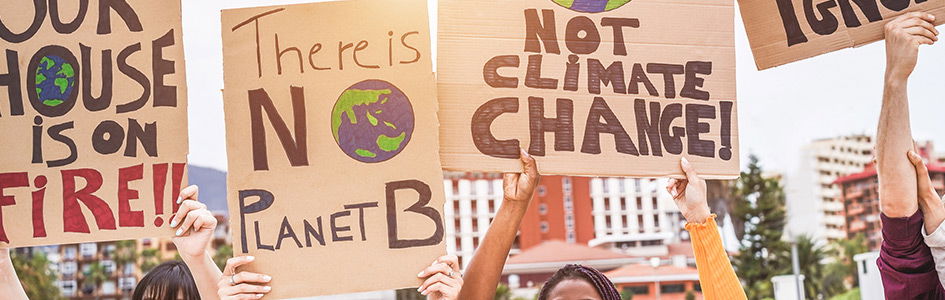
(919, 164)
(689, 170)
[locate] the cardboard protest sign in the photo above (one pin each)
(93, 119)
(334, 180)
(784, 31)
(616, 88)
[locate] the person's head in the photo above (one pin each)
(576, 282)
(168, 281)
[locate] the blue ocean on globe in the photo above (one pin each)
(55, 80)
(372, 121)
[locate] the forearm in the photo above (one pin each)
(9, 283)
(483, 273)
(897, 181)
(206, 275)
(934, 213)
(716, 275)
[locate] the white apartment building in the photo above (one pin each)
(471, 204)
(813, 201)
(634, 216)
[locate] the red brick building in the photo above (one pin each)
(560, 210)
(860, 197)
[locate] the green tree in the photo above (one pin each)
(95, 276)
(759, 201)
(223, 253)
(408, 294)
(149, 259)
(626, 294)
(810, 257)
(503, 292)
(37, 278)
(126, 252)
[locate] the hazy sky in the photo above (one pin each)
(780, 109)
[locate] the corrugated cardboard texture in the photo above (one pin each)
(93, 119)
(821, 26)
(691, 37)
(361, 190)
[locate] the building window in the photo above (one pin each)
(542, 209)
(697, 287)
(672, 288)
(87, 250)
(541, 191)
(70, 252)
(69, 268)
(637, 290)
(68, 288)
(544, 227)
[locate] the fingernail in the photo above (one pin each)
(180, 231)
(259, 296)
(173, 223)
(267, 278)
(685, 161)
(420, 274)
(179, 200)
(419, 290)
(267, 288)
(250, 258)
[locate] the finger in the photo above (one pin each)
(185, 208)
(250, 277)
(236, 262)
(529, 167)
(190, 192)
(189, 220)
(921, 40)
(450, 260)
(436, 287)
(688, 169)
(671, 186)
(205, 221)
(434, 269)
(921, 32)
(919, 164)
(241, 291)
(438, 277)
(919, 22)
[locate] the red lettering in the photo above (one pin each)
(126, 216)
(39, 223)
(10, 180)
(72, 216)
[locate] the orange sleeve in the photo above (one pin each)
(716, 275)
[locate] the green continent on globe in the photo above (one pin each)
(389, 144)
(346, 103)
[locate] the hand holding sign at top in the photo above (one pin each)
(903, 37)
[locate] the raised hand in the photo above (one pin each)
(195, 224)
(443, 279)
(690, 194)
(904, 34)
(520, 186)
(242, 285)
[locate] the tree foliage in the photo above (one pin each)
(759, 201)
(37, 278)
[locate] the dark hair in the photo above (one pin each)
(165, 282)
(601, 283)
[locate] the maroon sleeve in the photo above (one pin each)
(905, 262)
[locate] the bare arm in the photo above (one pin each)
(482, 275)
(9, 283)
(897, 179)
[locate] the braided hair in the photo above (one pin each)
(601, 283)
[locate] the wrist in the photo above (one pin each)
(698, 215)
(895, 78)
(189, 258)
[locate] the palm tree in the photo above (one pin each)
(810, 256)
(95, 276)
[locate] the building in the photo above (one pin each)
(860, 197)
(561, 210)
(656, 281)
(813, 205)
(472, 200)
(871, 283)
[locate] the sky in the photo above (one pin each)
(779, 109)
